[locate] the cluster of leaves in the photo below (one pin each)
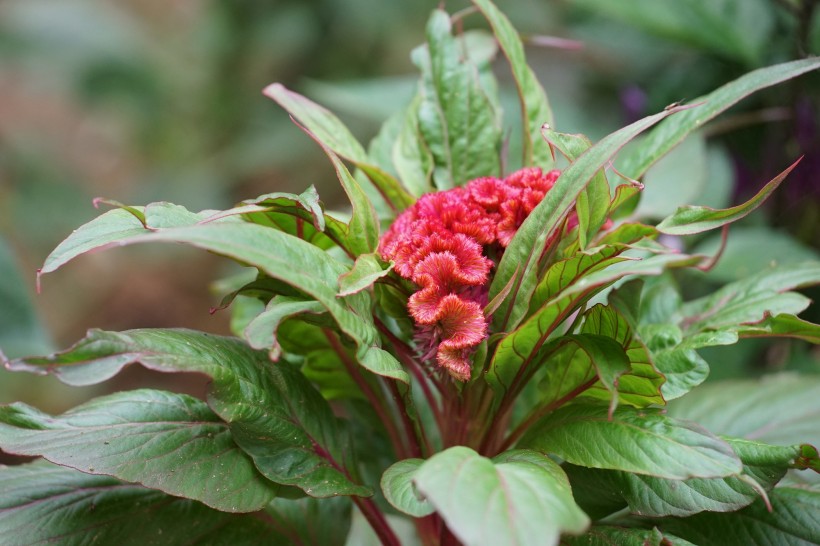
(321, 403)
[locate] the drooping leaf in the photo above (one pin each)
(793, 521)
(274, 414)
(671, 132)
(779, 409)
(44, 503)
(535, 108)
(332, 133)
(658, 497)
(520, 260)
(751, 300)
(456, 118)
(400, 491)
(280, 256)
(162, 440)
(520, 497)
(782, 325)
(694, 219)
(639, 441)
(367, 269)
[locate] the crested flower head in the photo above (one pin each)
(439, 245)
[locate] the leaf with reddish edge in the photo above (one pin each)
(535, 108)
(641, 441)
(332, 133)
(782, 325)
(367, 269)
(689, 220)
(670, 133)
(520, 497)
(521, 258)
(273, 412)
(162, 440)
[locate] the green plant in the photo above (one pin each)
(487, 364)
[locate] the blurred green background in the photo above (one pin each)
(149, 100)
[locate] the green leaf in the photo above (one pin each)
(367, 269)
(332, 134)
(519, 264)
(658, 497)
(273, 412)
(261, 332)
(280, 256)
(165, 441)
(520, 497)
(412, 159)
(309, 521)
(535, 108)
(603, 535)
(751, 300)
(671, 132)
(456, 118)
(643, 442)
(792, 521)
(688, 220)
(782, 326)
(778, 409)
(642, 383)
(44, 503)
(400, 491)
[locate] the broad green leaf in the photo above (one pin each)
(520, 497)
(683, 369)
(782, 326)
(519, 264)
(671, 132)
(657, 497)
(779, 409)
(792, 521)
(752, 299)
(333, 135)
(535, 108)
(273, 412)
(400, 491)
(639, 441)
(412, 159)
(688, 220)
(280, 256)
(309, 521)
(48, 504)
(603, 535)
(641, 385)
(162, 440)
(456, 118)
(367, 269)
(261, 332)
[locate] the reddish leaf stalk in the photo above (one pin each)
(377, 521)
(376, 401)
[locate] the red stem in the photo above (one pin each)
(377, 521)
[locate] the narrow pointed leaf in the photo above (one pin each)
(165, 441)
(691, 219)
(671, 132)
(48, 504)
(400, 491)
(782, 325)
(274, 414)
(521, 497)
(332, 133)
(520, 260)
(642, 442)
(535, 108)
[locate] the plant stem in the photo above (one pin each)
(377, 521)
(376, 401)
(411, 434)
